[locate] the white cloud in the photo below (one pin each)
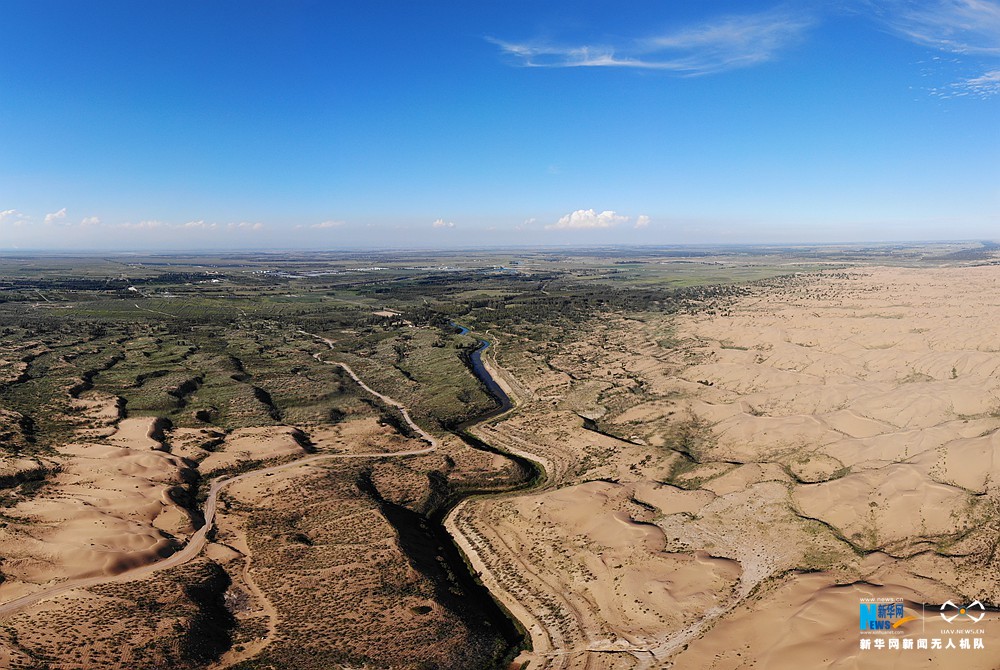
(328, 224)
(11, 214)
(724, 43)
(642, 221)
(52, 217)
(589, 218)
(441, 223)
(245, 225)
(90, 221)
(526, 224)
(154, 224)
(988, 84)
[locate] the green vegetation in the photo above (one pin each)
(214, 341)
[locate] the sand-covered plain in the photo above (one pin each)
(761, 464)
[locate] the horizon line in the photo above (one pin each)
(493, 247)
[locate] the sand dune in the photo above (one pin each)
(898, 370)
(811, 621)
(108, 509)
(886, 506)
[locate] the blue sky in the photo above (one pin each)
(293, 124)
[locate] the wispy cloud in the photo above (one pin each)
(984, 86)
(724, 43)
(94, 224)
(53, 217)
(966, 28)
(199, 225)
(957, 26)
(642, 221)
(441, 223)
(588, 219)
(328, 224)
(988, 84)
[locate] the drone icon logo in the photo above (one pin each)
(950, 611)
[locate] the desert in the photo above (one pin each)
(830, 435)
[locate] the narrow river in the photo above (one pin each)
(432, 550)
(492, 387)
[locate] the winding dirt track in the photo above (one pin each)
(425, 436)
(197, 542)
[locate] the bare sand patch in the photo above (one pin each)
(887, 507)
(101, 412)
(254, 444)
(138, 433)
(893, 367)
(361, 435)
